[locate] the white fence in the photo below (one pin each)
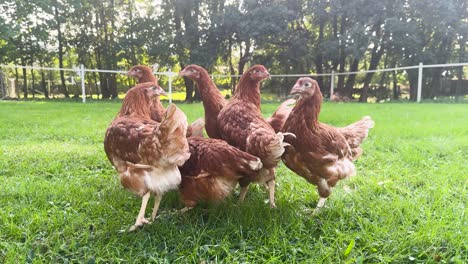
(81, 71)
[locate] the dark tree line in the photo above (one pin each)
(290, 36)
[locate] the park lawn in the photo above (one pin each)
(61, 201)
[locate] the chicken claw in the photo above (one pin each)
(289, 134)
(138, 224)
(141, 220)
(320, 205)
(185, 209)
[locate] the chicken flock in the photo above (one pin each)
(155, 150)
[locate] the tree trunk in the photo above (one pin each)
(433, 89)
(189, 90)
(460, 75)
(33, 83)
(377, 53)
(112, 78)
(413, 80)
(342, 59)
(44, 85)
(335, 38)
(319, 57)
(396, 88)
(60, 51)
(244, 57)
(348, 91)
(16, 78)
(25, 80)
(381, 91)
(133, 56)
(112, 83)
(98, 90)
(232, 71)
(442, 56)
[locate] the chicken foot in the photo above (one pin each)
(320, 205)
(185, 209)
(141, 220)
(270, 186)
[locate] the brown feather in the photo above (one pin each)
(278, 118)
(319, 153)
(134, 138)
(213, 100)
(243, 126)
(213, 170)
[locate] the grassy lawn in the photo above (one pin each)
(61, 201)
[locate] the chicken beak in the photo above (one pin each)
(129, 73)
(183, 73)
(297, 89)
(160, 91)
(267, 75)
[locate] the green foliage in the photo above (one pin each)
(288, 36)
(61, 200)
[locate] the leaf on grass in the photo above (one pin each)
(383, 182)
(347, 189)
(349, 248)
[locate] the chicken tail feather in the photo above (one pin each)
(356, 133)
(172, 136)
(138, 166)
(278, 118)
(196, 128)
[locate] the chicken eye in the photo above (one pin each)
(192, 70)
(307, 84)
(255, 71)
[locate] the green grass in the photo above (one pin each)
(60, 200)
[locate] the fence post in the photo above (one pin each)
(420, 73)
(170, 85)
(332, 84)
(83, 88)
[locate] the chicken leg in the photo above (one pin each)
(271, 189)
(157, 201)
(242, 194)
(320, 205)
(141, 220)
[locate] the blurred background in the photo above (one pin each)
(381, 42)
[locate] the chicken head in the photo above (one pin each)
(305, 87)
(258, 73)
(192, 72)
(142, 74)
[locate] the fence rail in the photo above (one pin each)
(81, 71)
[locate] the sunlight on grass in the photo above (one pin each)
(61, 200)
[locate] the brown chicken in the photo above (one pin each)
(241, 124)
(214, 167)
(213, 170)
(144, 152)
(214, 102)
(144, 74)
(320, 153)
